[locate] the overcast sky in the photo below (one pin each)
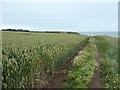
(75, 16)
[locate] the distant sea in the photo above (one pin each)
(113, 34)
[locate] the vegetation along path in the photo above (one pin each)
(59, 60)
(60, 76)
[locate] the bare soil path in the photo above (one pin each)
(59, 78)
(96, 80)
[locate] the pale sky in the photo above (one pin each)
(65, 16)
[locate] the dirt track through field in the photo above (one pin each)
(95, 82)
(59, 78)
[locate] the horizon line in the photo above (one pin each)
(59, 30)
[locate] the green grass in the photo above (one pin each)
(83, 68)
(28, 57)
(108, 49)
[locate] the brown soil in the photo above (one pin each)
(96, 81)
(59, 78)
